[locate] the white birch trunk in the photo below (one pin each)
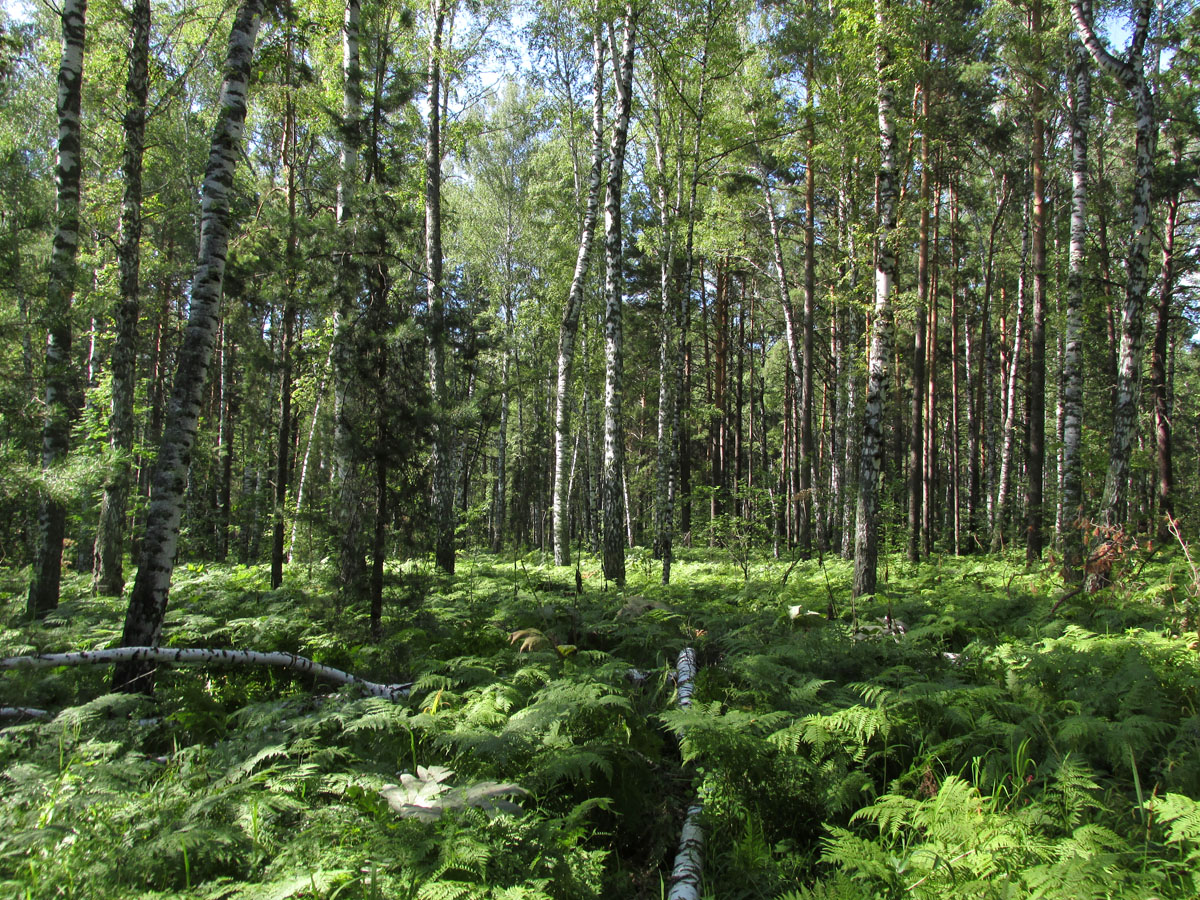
(866, 530)
(142, 656)
(614, 427)
(148, 603)
(1009, 428)
(569, 328)
(1072, 398)
(109, 578)
(1131, 73)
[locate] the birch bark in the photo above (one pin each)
(570, 321)
(109, 579)
(614, 427)
(148, 602)
(866, 530)
(60, 288)
(1131, 74)
(1072, 401)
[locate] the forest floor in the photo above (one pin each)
(959, 734)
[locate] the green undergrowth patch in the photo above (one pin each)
(961, 733)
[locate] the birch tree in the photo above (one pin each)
(569, 327)
(1130, 72)
(1072, 400)
(60, 289)
(612, 497)
(156, 562)
(110, 533)
(866, 529)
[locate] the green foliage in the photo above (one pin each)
(989, 749)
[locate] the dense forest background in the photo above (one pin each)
(847, 352)
(921, 274)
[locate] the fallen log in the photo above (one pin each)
(687, 874)
(22, 712)
(193, 657)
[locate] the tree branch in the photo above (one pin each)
(1119, 69)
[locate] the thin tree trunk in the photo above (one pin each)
(668, 340)
(866, 531)
(60, 289)
(283, 446)
(348, 506)
(443, 464)
(1158, 367)
(614, 427)
(148, 602)
(1009, 431)
(109, 578)
(1072, 400)
(567, 331)
(1035, 451)
(916, 436)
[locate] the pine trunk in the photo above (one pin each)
(347, 484)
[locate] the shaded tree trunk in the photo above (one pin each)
(1158, 366)
(612, 496)
(348, 507)
(60, 289)
(109, 578)
(443, 464)
(1035, 451)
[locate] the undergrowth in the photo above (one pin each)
(955, 735)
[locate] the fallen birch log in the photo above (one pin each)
(22, 712)
(207, 657)
(687, 874)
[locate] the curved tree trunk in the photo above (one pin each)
(148, 603)
(60, 288)
(614, 427)
(866, 531)
(109, 579)
(570, 321)
(1132, 76)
